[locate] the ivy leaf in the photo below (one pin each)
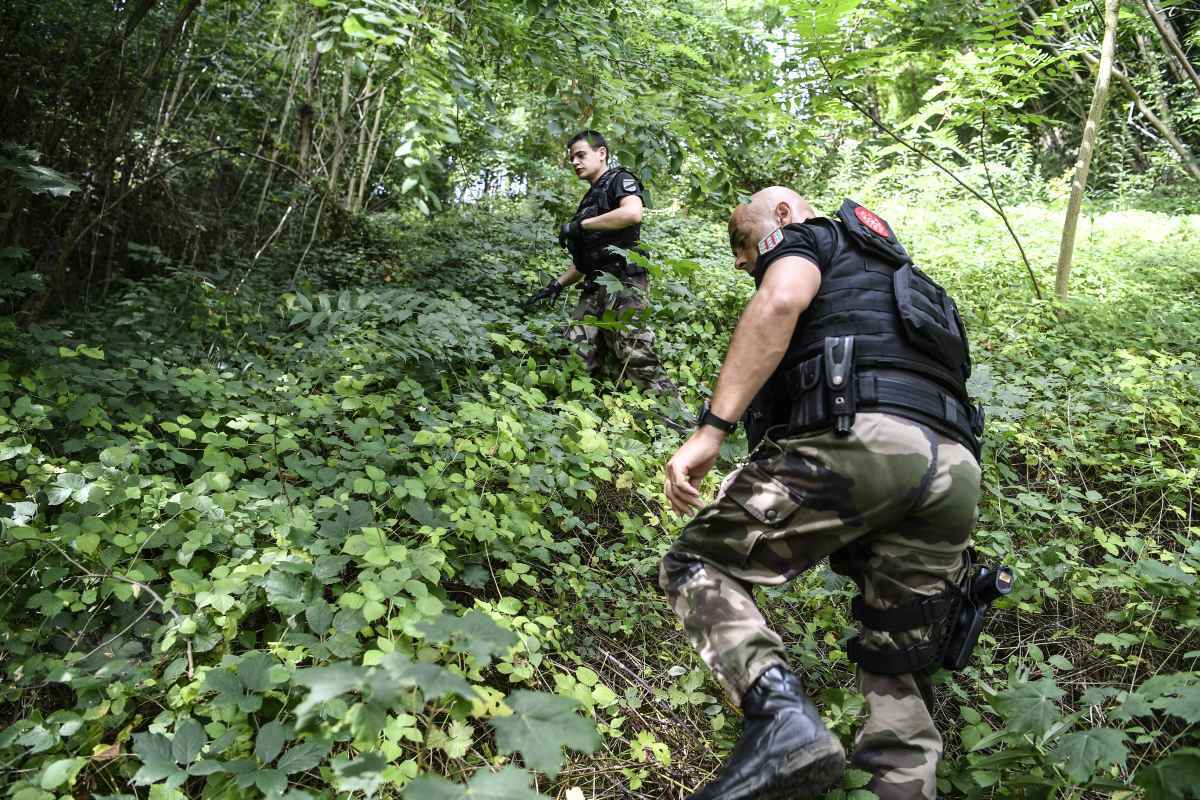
(188, 742)
(1030, 706)
(474, 633)
(540, 724)
(1083, 752)
(1173, 778)
(269, 741)
(509, 783)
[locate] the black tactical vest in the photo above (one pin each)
(909, 351)
(593, 255)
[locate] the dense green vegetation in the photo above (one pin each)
(295, 501)
(328, 538)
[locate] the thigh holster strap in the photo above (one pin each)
(933, 612)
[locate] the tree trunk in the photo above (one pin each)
(1084, 162)
(1172, 41)
(372, 151)
(306, 114)
(339, 127)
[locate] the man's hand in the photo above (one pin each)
(552, 291)
(570, 232)
(688, 467)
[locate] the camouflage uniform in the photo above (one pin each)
(633, 346)
(893, 506)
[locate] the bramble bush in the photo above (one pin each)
(381, 533)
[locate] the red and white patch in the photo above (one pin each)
(770, 241)
(873, 221)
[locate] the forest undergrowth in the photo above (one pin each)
(380, 533)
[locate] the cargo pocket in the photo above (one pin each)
(762, 496)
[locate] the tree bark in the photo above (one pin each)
(1172, 41)
(1084, 162)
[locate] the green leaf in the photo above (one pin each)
(363, 774)
(474, 633)
(540, 724)
(269, 741)
(324, 684)
(1083, 752)
(254, 670)
(1030, 706)
(509, 783)
(158, 763)
(1173, 778)
(396, 672)
(188, 742)
(230, 691)
(303, 756)
(62, 771)
(455, 740)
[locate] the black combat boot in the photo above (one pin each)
(785, 753)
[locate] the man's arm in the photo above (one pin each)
(570, 277)
(759, 343)
(763, 333)
(628, 213)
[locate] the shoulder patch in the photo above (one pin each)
(873, 221)
(629, 184)
(770, 241)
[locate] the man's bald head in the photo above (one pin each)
(767, 210)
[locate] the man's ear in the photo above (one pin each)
(783, 214)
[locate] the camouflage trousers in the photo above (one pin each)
(892, 505)
(633, 347)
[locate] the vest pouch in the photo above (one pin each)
(930, 319)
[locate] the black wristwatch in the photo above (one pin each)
(706, 417)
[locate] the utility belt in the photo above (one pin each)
(828, 388)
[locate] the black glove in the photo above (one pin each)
(570, 232)
(552, 291)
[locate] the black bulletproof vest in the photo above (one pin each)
(902, 322)
(595, 254)
(858, 298)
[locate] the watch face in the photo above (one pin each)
(701, 413)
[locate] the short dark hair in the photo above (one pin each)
(593, 138)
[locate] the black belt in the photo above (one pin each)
(814, 393)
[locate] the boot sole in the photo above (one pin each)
(807, 774)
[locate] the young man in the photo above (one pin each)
(868, 456)
(609, 216)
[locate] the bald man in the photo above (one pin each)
(864, 449)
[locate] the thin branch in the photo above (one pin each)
(922, 154)
(999, 209)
